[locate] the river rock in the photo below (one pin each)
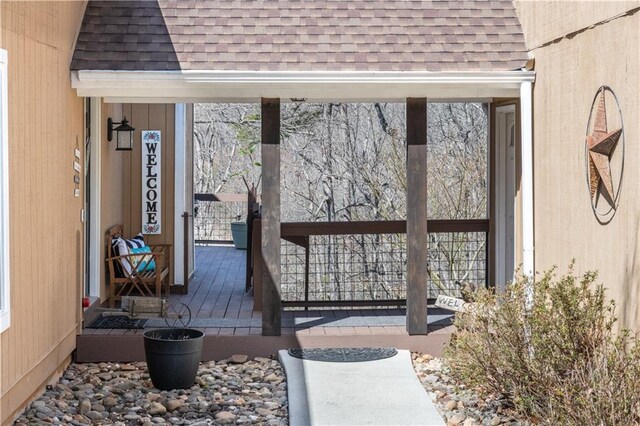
(84, 407)
(174, 404)
(456, 419)
(156, 409)
(238, 359)
(225, 417)
(237, 391)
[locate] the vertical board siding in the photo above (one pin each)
(122, 175)
(111, 181)
(45, 126)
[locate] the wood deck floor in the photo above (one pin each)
(221, 308)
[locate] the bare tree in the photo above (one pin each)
(347, 162)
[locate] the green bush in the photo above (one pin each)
(550, 348)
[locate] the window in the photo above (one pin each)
(4, 196)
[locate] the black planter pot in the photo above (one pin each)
(173, 356)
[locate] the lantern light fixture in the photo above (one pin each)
(124, 134)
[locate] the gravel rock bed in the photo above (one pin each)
(234, 391)
(456, 404)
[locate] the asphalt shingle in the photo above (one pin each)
(300, 35)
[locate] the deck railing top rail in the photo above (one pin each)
(299, 229)
(224, 198)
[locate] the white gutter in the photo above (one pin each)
(250, 86)
(526, 134)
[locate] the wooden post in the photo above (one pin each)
(186, 245)
(271, 296)
(257, 264)
(251, 199)
(417, 240)
(306, 270)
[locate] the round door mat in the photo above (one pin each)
(343, 354)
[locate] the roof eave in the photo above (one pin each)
(250, 86)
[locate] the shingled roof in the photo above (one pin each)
(300, 35)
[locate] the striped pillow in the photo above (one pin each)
(136, 242)
(123, 247)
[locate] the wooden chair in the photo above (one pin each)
(146, 283)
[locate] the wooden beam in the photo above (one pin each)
(225, 198)
(417, 240)
(271, 297)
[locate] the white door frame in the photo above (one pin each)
(180, 202)
(95, 233)
(505, 174)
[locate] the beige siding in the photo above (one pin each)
(45, 126)
(568, 74)
(548, 20)
(122, 174)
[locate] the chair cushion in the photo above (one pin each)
(120, 248)
(143, 263)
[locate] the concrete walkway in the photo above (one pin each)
(382, 392)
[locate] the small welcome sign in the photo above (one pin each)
(151, 182)
(451, 303)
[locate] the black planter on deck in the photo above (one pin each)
(173, 356)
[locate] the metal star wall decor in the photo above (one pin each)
(600, 146)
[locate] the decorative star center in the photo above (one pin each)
(601, 143)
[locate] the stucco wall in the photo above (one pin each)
(568, 74)
(46, 241)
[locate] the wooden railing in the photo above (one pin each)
(383, 237)
(246, 208)
(214, 214)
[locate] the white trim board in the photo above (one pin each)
(251, 86)
(526, 135)
(5, 301)
(504, 177)
(180, 202)
(96, 237)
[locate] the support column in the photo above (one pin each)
(271, 296)
(526, 183)
(179, 200)
(417, 240)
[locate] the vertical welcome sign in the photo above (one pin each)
(151, 181)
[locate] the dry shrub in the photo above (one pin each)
(550, 348)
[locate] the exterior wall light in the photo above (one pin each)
(124, 134)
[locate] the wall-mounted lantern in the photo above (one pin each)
(124, 134)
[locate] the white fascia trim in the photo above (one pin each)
(311, 85)
(445, 77)
(526, 129)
